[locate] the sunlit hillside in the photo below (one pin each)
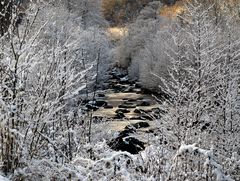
(173, 10)
(226, 7)
(116, 33)
(119, 12)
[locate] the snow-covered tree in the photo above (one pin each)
(46, 63)
(145, 26)
(199, 63)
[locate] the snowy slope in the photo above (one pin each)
(3, 178)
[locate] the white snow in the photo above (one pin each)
(3, 178)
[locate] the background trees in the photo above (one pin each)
(144, 28)
(7, 8)
(123, 11)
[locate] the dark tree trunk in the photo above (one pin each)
(5, 15)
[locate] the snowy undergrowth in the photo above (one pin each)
(155, 163)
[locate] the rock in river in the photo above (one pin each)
(138, 125)
(144, 103)
(123, 111)
(127, 106)
(129, 144)
(119, 115)
(108, 106)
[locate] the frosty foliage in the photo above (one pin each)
(145, 26)
(46, 63)
(202, 81)
(195, 60)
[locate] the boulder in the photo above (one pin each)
(101, 95)
(129, 144)
(132, 100)
(205, 127)
(157, 116)
(97, 119)
(100, 103)
(147, 117)
(128, 103)
(128, 89)
(113, 81)
(119, 115)
(147, 91)
(127, 131)
(105, 85)
(108, 106)
(122, 110)
(138, 85)
(150, 131)
(137, 111)
(117, 75)
(97, 103)
(91, 107)
(124, 80)
(138, 125)
(144, 103)
(158, 111)
(137, 91)
(137, 118)
(126, 106)
(119, 87)
(85, 101)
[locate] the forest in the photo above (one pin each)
(119, 90)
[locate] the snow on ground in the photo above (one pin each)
(3, 178)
